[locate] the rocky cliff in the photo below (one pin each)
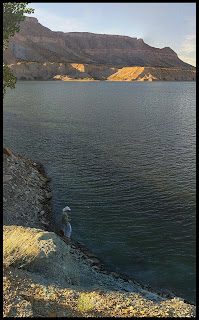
(36, 43)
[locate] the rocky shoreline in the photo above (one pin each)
(26, 192)
(27, 203)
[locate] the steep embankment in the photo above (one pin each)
(55, 70)
(152, 74)
(73, 71)
(26, 192)
(46, 277)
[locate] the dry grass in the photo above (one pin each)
(85, 303)
(20, 247)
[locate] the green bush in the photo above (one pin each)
(85, 303)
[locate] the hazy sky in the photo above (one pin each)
(158, 24)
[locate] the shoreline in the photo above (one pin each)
(82, 80)
(92, 271)
(164, 293)
(88, 254)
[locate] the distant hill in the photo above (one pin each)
(36, 43)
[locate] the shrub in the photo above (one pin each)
(85, 303)
(20, 247)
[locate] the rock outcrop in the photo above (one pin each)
(55, 70)
(36, 43)
(74, 71)
(53, 259)
(25, 192)
(153, 74)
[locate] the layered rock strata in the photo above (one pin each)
(152, 74)
(36, 43)
(74, 71)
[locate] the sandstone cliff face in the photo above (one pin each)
(153, 74)
(73, 71)
(54, 70)
(36, 43)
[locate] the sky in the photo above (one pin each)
(158, 24)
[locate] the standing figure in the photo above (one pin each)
(65, 221)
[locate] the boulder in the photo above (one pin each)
(53, 260)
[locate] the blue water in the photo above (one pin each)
(122, 156)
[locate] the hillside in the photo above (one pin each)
(36, 43)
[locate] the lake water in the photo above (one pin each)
(122, 156)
